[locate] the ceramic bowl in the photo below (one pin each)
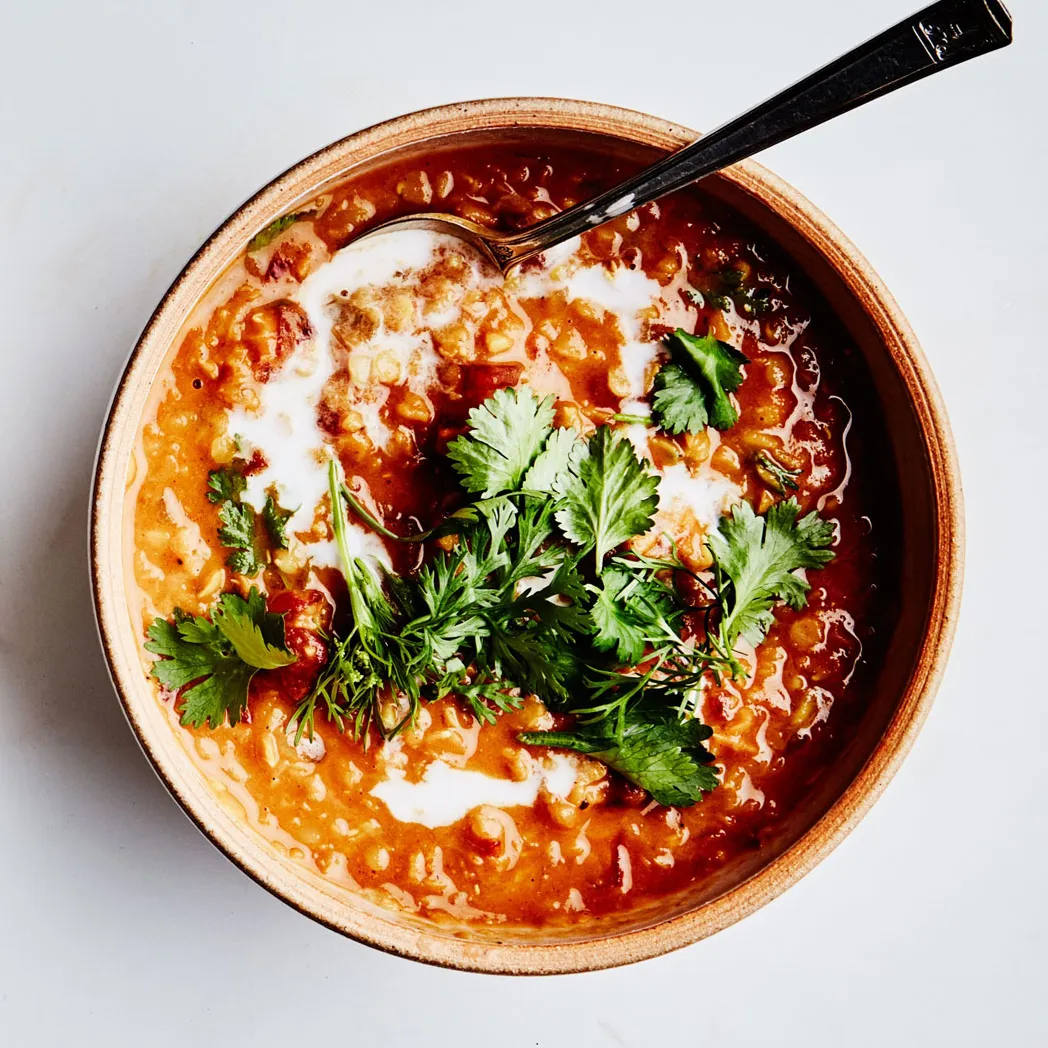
(931, 549)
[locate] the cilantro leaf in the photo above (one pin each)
(238, 534)
(237, 531)
(244, 562)
(195, 629)
(275, 518)
(222, 694)
(188, 657)
(274, 229)
(774, 474)
(507, 432)
(614, 627)
(238, 525)
(678, 403)
(257, 635)
(692, 390)
(221, 656)
(553, 461)
(656, 750)
(608, 495)
(225, 485)
(630, 612)
(755, 560)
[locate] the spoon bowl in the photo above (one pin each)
(494, 246)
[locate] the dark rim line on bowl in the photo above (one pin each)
(872, 777)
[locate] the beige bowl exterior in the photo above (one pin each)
(931, 559)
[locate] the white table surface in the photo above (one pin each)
(129, 131)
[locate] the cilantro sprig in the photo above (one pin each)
(238, 531)
(238, 534)
(211, 662)
(507, 432)
(756, 560)
(692, 390)
(275, 518)
(608, 495)
(656, 749)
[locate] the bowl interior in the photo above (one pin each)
(923, 482)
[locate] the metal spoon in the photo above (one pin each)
(942, 35)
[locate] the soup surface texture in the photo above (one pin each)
(672, 341)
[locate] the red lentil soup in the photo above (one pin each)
(372, 357)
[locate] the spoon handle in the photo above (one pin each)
(942, 35)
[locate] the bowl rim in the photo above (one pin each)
(301, 180)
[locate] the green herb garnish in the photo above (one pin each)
(214, 660)
(723, 288)
(225, 485)
(518, 606)
(755, 564)
(266, 236)
(608, 495)
(238, 531)
(536, 596)
(466, 623)
(691, 391)
(632, 612)
(238, 534)
(506, 434)
(774, 474)
(656, 750)
(275, 518)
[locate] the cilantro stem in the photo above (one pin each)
(362, 616)
(372, 523)
(338, 520)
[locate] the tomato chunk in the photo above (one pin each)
(307, 616)
(271, 333)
